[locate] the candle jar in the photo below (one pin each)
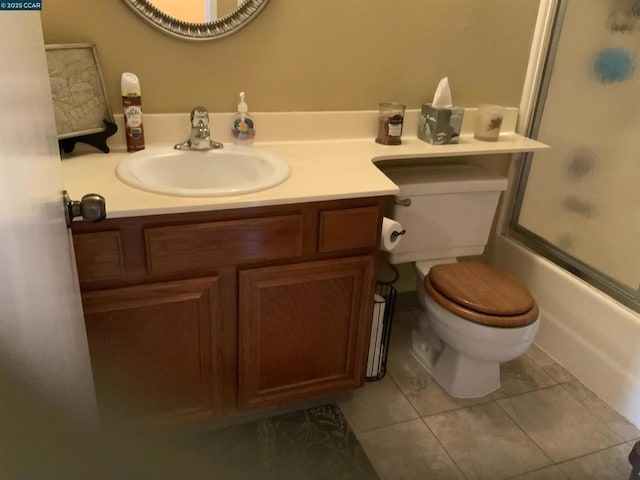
(488, 122)
(390, 121)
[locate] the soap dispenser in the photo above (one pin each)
(243, 127)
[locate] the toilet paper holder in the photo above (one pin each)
(395, 234)
(405, 202)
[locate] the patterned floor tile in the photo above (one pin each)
(549, 473)
(602, 410)
(485, 443)
(377, 404)
(609, 464)
(539, 356)
(558, 373)
(408, 451)
(548, 364)
(519, 376)
(560, 425)
(540, 415)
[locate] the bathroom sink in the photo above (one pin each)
(231, 170)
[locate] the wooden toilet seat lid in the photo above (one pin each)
(482, 294)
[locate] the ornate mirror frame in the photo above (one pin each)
(222, 27)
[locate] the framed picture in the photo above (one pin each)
(79, 98)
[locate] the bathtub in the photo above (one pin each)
(592, 336)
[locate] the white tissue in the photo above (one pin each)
(442, 97)
(390, 235)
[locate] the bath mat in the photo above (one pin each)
(306, 445)
(310, 444)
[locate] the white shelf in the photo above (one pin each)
(413, 147)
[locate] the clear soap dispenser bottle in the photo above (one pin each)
(243, 126)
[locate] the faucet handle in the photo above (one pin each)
(199, 117)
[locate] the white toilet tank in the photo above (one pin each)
(450, 213)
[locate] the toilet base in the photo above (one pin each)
(459, 374)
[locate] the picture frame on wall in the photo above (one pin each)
(80, 102)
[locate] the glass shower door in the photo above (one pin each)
(578, 203)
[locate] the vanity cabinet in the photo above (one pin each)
(151, 348)
(299, 327)
(213, 313)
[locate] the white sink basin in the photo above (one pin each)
(231, 170)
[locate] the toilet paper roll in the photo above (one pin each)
(391, 234)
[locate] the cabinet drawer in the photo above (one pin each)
(348, 229)
(205, 246)
(98, 255)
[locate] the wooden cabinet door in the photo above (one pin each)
(302, 329)
(151, 349)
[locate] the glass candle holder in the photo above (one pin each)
(390, 121)
(488, 122)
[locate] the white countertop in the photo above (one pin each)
(320, 170)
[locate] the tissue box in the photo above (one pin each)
(440, 126)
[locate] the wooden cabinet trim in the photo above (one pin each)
(98, 255)
(349, 229)
(206, 246)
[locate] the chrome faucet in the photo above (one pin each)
(200, 136)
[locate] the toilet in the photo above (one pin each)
(474, 317)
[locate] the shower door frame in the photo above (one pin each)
(538, 244)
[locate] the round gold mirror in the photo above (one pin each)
(198, 19)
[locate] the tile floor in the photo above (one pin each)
(542, 424)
